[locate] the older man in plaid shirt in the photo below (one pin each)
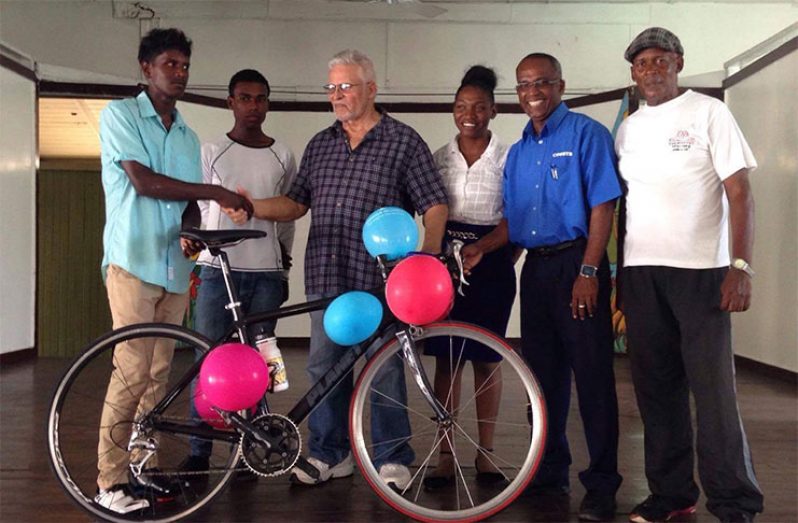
(364, 161)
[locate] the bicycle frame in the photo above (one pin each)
(318, 391)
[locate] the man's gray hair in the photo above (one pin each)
(355, 57)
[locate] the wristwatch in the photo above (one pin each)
(588, 271)
(741, 264)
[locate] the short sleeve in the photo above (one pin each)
(599, 165)
(423, 179)
(299, 190)
(120, 137)
(727, 145)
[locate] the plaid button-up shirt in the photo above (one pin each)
(392, 166)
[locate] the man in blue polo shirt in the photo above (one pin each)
(560, 189)
(150, 174)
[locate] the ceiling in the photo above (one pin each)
(68, 127)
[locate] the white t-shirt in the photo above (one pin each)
(475, 193)
(264, 172)
(674, 158)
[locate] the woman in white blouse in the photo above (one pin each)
(471, 166)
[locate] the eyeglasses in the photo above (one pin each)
(344, 87)
(661, 63)
(524, 87)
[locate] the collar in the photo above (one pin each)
(384, 125)
(490, 152)
(147, 110)
(552, 122)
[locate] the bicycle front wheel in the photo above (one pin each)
(470, 465)
(81, 439)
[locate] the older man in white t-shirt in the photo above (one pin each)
(685, 163)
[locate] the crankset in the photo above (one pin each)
(285, 444)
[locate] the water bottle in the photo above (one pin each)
(267, 346)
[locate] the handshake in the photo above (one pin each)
(242, 210)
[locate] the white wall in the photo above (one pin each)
(296, 129)
(17, 211)
(291, 40)
(765, 107)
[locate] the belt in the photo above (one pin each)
(548, 250)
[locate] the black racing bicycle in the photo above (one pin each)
(269, 443)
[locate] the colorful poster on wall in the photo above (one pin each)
(618, 320)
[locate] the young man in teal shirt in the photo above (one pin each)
(150, 173)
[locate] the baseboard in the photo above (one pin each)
(17, 356)
(764, 369)
(770, 371)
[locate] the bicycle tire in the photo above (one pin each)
(518, 440)
(73, 427)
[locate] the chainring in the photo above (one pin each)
(286, 444)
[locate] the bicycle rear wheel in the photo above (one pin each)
(519, 428)
(74, 425)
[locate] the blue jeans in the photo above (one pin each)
(257, 292)
(328, 423)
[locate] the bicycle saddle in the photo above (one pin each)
(222, 237)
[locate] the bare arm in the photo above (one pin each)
(434, 227)
(276, 209)
(736, 287)
(585, 290)
(495, 239)
(279, 209)
(149, 183)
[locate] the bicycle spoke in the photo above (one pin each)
(76, 427)
(455, 439)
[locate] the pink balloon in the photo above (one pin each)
(206, 412)
(234, 376)
(419, 290)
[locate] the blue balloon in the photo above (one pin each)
(352, 317)
(390, 231)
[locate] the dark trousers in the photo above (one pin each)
(680, 341)
(556, 345)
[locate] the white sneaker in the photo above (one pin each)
(341, 470)
(395, 475)
(118, 500)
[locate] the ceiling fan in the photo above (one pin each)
(416, 6)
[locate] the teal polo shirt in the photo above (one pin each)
(142, 234)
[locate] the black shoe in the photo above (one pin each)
(488, 478)
(438, 482)
(597, 507)
(152, 483)
(540, 487)
(433, 482)
(656, 508)
(738, 517)
(194, 464)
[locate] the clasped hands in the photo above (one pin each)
(240, 215)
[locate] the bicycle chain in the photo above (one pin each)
(194, 473)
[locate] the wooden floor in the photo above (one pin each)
(28, 491)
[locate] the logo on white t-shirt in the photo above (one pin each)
(682, 141)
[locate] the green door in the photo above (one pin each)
(71, 305)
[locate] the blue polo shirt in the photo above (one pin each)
(142, 234)
(551, 181)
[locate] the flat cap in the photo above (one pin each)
(653, 37)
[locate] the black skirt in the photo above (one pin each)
(488, 298)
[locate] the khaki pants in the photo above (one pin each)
(141, 367)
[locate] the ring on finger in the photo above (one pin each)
(581, 305)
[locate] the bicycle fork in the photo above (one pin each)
(410, 354)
